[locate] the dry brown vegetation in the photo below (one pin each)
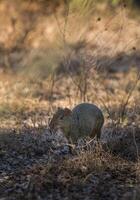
(61, 60)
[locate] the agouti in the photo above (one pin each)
(84, 120)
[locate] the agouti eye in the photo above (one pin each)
(61, 117)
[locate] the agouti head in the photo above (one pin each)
(61, 120)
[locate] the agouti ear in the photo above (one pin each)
(59, 109)
(67, 112)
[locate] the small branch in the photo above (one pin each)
(135, 143)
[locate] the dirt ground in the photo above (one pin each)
(98, 64)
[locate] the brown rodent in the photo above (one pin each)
(84, 120)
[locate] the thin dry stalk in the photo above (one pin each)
(108, 111)
(52, 81)
(125, 103)
(64, 29)
(135, 143)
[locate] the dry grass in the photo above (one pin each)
(88, 174)
(99, 65)
(112, 169)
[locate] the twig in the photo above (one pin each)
(124, 105)
(135, 143)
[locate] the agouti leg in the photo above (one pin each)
(71, 145)
(98, 135)
(96, 132)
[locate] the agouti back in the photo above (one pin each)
(84, 120)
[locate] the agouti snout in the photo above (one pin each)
(84, 120)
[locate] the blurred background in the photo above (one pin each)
(36, 35)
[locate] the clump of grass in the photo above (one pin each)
(92, 168)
